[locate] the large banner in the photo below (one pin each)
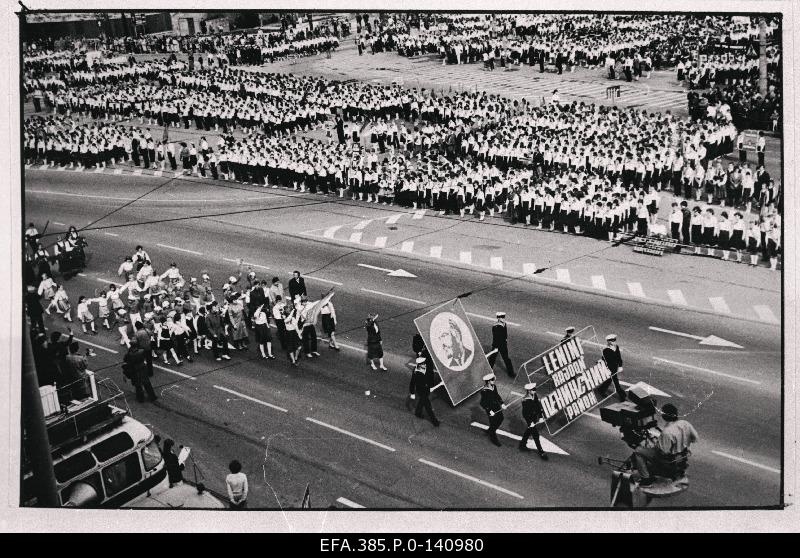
(571, 378)
(455, 349)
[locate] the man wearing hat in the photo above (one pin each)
(492, 403)
(569, 333)
(423, 389)
(500, 342)
(613, 358)
(532, 411)
(143, 340)
(675, 439)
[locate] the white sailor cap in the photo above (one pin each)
(148, 315)
(193, 280)
(421, 360)
(489, 377)
(121, 312)
(231, 279)
(500, 314)
(611, 337)
(205, 276)
(530, 386)
(570, 329)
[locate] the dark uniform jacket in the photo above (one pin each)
(297, 287)
(532, 410)
(499, 335)
(491, 400)
(137, 368)
(372, 335)
(613, 358)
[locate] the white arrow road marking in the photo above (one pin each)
(647, 387)
(355, 237)
(747, 461)
(547, 445)
(436, 251)
(676, 297)
(636, 290)
(529, 268)
(349, 503)
(390, 272)
(473, 479)
(253, 399)
(110, 234)
(712, 340)
(380, 242)
(563, 275)
(407, 246)
(348, 433)
(765, 314)
(331, 231)
(180, 249)
(718, 303)
(394, 296)
(599, 282)
(487, 318)
(690, 367)
(496, 262)
(362, 225)
(394, 218)
(465, 257)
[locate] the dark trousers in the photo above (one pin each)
(143, 384)
(148, 357)
(502, 350)
(620, 392)
(281, 326)
(494, 424)
(760, 158)
(37, 104)
(220, 345)
(309, 340)
(424, 402)
(531, 431)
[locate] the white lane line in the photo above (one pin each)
(112, 351)
(246, 263)
(718, 303)
(599, 282)
(117, 171)
(408, 246)
(547, 445)
(323, 280)
(419, 214)
(436, 251)
(110, 234)
(48, 192)
(57, 223)
(181, 374)
(465, 257)
(563, 275)
(179, 249)
(355, 237)
(348, 433)
(636, 290)
(380, 242)
(689, 366)
(345, 346)
(253, 399)
(394, 218)
(676, 297)
(330, 232)
(489, 319)
(583, 341)
(473, 479)
(349, 503)
(747, 461)
(529, 268)
(394, 296)
(518, 394)
(496, 262)
(81, 275)
(765, 314)
(106, 281)
(362, 225)
(44, 166)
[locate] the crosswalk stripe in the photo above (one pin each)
(436, 251)
(599, 282)
(349, 503)
(676, 297)
(355, 237)
(117, 171)
(43, 166)
(529, 268)
(636, 289)
(465, 257)
(28, 166)
(158, 173)
(380, 242)
(496, 262)
(394, 218)
(330, 232)
(79, 169)
(407, 246)
(362, 225)
(137, 172)
(419, 214)
(61, 169)
(98, 170)
(176, 174)
(718, 303)
(765, 314)
(563, 275)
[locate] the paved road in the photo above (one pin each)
(317, 424)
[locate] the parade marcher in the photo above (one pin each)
(278, 314)
(297, 287)
(216, 332)
(569, 333)
(613, 358)
(47, 290)
(235, 316)
(761, 145)
(84, 315)
(164, 340)
(308, 329)
(500, 342)
(61, 302)
(292, 334)
(532, 412)
(328, 313)
(423, 390)
(135, 368)
(492, 403)
(374, 342)
(263, 334)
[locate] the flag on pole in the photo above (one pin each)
(313, 313)
(306, 505)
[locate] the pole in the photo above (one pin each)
(762, 57)
(35, 438)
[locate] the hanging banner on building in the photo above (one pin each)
(455, 349)
(571, 376)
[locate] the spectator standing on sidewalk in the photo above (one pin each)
(236, 482)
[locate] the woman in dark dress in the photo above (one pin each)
(374, 342)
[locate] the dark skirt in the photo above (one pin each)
(263, 334)
(292, 341)
(328, 326)
(374, 350)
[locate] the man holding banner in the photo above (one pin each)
(532, 412)
(493, 404)
(423, 390)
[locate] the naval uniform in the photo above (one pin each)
(500, 342)
(532, 411)
(492, 402)
(423, 389)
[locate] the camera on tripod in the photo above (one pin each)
(634, 416)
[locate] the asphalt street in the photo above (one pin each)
(350, 432)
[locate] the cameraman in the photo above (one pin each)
(676, 436)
